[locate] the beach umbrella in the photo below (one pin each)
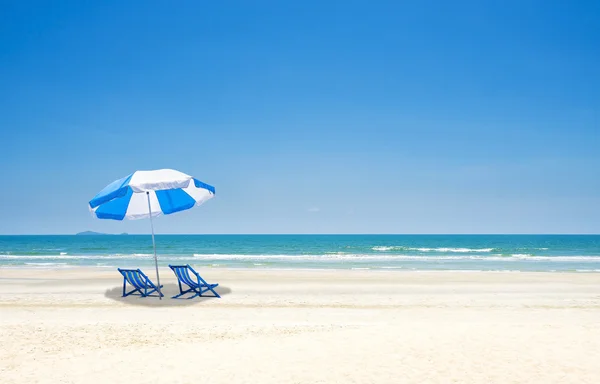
(148, 194)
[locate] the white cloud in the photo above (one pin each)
(314, 209)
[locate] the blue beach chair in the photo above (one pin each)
(140, 282)
(197, 285)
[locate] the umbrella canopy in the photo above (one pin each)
(167, 190)
(149, 194)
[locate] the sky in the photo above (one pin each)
(307, 117)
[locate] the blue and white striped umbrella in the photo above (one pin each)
(149, 194)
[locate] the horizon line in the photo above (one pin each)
(302, 234)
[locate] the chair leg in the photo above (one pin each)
(132, 292)
(215, 293)
(210, 287)
(150, 292)
(198, 290)
(182, 293)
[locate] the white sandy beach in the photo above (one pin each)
(70, 326)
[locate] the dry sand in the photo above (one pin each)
(71, 326)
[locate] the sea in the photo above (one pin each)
(546, 253)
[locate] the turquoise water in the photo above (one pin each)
(384, 252)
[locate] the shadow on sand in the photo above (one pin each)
(168, 290)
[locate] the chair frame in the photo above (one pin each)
(199, 287)
(139, 281)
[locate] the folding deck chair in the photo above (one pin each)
(197, 285)
(140, 282)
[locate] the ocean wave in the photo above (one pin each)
(45, 264)
(370, 257)
(426, 249)
(454, 250)
(384, 249)
(39, 257)
(335, 257)
(76, 257)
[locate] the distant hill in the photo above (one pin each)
(91, 233)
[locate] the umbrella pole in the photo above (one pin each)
(154, 246)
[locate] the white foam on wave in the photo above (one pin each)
(453, 250)
(335, 257)
(39, 257)
(427, 249)
(369, 257)
(383, 249)
(63, 253)
(73, 257)
(45, 264)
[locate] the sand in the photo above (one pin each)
(70, 326)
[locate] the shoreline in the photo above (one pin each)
(308, 269)
(105, 273)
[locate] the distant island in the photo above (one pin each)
(91, 233)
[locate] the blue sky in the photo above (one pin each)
(307, 117)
